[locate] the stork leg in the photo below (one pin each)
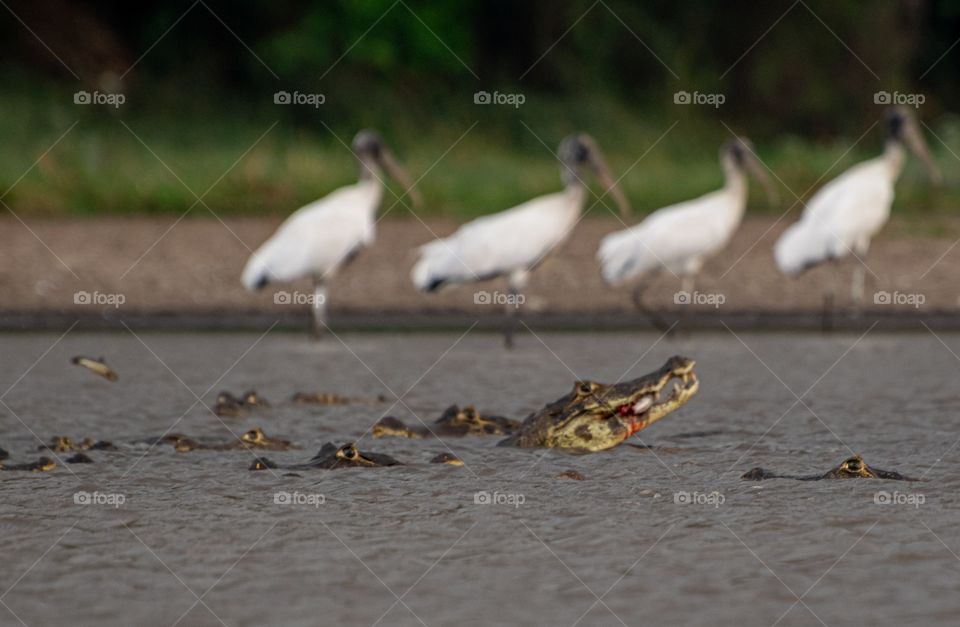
(510, 314)
(826, 316)
(655, 319)
(319, 308)
(857, 285)
(689, 286)
(515, 283)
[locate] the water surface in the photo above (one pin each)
(200, 540)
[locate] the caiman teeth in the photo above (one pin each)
(642, 405)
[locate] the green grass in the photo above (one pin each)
(101, 167)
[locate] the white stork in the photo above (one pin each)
(681, 237)
(513, 242)
(846, 213)
(320, 238)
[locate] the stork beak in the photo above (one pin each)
(611, 188)
(757, 171)
(400, 175)
(606, 179)
(913, 137)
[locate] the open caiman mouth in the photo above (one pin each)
(597, 416)
(650, 407)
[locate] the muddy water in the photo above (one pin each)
(667, 534)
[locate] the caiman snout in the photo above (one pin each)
(649, 404)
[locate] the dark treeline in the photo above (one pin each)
(813, 70)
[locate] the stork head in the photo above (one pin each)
(579, 152)
(374, 157)
(902, 126)
(737, 154)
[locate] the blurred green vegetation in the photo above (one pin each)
(198, 100)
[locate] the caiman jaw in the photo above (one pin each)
(648, 408)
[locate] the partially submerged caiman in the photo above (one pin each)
(42, 464)
(595, 416)
(454, 422)
(328, 398)
(231, 406)
(332, 456)
(851, 468)
(253, 439)
(63, 444)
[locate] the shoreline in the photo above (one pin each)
(174, 274)
(436, 321)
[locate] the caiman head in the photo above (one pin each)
(256, 438)
(468, 421)
(855, 468)
(59, 444)
(595, 416)
(348, 456)
(391, 427)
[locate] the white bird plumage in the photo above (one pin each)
(845, 214)
(681, 237)
(842, 217)
(513, 242)
(509, 243)
(319, 238)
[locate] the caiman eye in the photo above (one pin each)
(584, 388)
(854, 465)
(347, 451)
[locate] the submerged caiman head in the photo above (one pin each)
(594, 416)
(851, 468)
(856, 468)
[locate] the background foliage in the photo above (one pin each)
(199, 79)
